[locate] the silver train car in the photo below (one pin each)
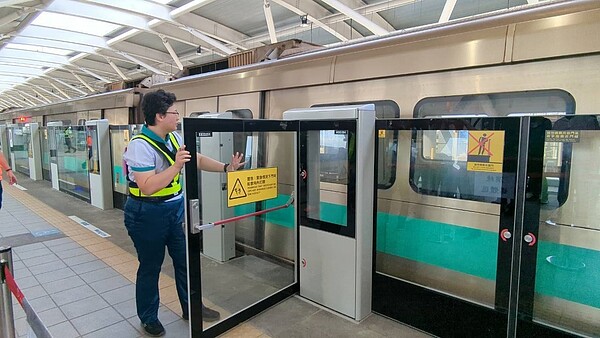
(540, 61)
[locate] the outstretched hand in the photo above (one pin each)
(236, 161)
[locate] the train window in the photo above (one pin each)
(438, 161)
(535, 102)
(386, 164)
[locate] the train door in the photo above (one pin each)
(443, 248)
(559, 285)
(255, 279)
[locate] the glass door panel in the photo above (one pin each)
(440, 257)
(21, 144)
(248, 263)
(327, 168)
(566, 278)
(73, 161)
(119, 139)
(45, 146)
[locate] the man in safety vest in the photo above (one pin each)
(68, 140)
(154, 210)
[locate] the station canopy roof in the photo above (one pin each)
(56, 50)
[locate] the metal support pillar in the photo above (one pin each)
(7, 322)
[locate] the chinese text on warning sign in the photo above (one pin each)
(247, 186)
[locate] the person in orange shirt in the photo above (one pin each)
(12, 179)
(88, 142)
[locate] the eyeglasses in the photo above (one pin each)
(173, 112)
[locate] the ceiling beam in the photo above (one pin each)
(114, 66)
(352, 14)
(269, 19)
(47, 91)
(311, 18)
(25, 99)
(83, 83)
(189, 7)
(375, 17)
(447, 11)
(172, 52)
(143, 64)
(40, 95)
(31, 96)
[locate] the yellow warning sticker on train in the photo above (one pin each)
(485, 151)
(247, 186)
(382, 133)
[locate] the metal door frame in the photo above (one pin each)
(194, 241)
(437, 312)
(522, 301)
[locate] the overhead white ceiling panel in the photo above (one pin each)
(49, 44)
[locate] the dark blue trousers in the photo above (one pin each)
(152, 227)
(0, 194)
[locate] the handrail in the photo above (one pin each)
(8, 285)
(252, 214)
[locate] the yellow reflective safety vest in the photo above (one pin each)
(174, 188)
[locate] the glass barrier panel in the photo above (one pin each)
(567, 276)
(72, 160)
(45, 147)
(428, 233)
(91, 144)
(21, 147)
(264, 246)
(119, 139)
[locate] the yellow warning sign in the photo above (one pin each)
(486, 151)
(382, 133)
(247, 186)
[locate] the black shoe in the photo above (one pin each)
(154, 329)
(209, 315)
(185, 316)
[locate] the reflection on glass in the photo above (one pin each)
(264, 248)
(327, 196)
(435, 242)
(45, 146)
(91, 144)
(119, 139)
(567, 275)
(439, 167)
(72, 157)
(21, 147)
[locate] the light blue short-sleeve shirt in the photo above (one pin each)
(140, 156)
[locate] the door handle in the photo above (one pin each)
(505, 234)
(530, 239)
(194, 205)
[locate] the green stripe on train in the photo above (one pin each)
(573, 274)
(568, 272)
(563, 271)
(467, 250)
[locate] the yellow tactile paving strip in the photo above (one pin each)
(120, 260)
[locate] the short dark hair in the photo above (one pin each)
(156, 102)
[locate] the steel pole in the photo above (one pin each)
(7, 322)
